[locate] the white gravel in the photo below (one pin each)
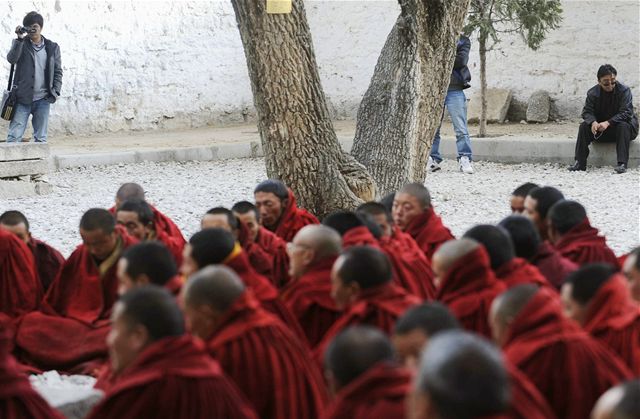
(185, 191)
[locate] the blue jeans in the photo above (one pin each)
(456, 104)
(40, 121)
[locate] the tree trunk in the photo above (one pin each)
(482, 45)
(401, 110)
(298, 139)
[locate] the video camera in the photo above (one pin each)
(24, 29)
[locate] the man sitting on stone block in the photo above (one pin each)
(608, 116)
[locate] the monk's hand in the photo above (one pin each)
(603, 126)
(594, 127)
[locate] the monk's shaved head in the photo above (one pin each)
(463, 376)
(496, 242)
(324, 241)
(98, 219)
(419, 191)
(215, 286)
(130, 191)
(506, 307)
(619, 402)
(450, 252)
(356, 350)
(565, 215)
(211, 246)
(430, 318)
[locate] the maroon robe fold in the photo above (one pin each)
(428, 232)
(18, 400)
(173, 378)
(379, 392)
(309, 299)
(552, 265)
(20, 288)
(262, 289)
(518, 272)
(73, 321)
(411, 268)
(468, 289)
(267, 255)
(582, 244)
(293, 219)
(267, 362)
(359, 236)
(48, 261)
(379, 306)
(568, 367)
(614, 320)
(174, 244)
(526, 400)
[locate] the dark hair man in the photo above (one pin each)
(38, 78)
(608, 116)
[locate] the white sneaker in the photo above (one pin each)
(433, 165)
(465, 165)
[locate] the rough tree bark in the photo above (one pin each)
(482, 44)
(401, 110)
(298, 138)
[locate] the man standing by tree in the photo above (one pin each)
(608, 116)
(456, 104)
(38, 78)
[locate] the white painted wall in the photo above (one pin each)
(137, 65)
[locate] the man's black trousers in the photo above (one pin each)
(621, 133)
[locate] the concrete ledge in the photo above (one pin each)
(505, 149)
(22, 151)
(10, 169)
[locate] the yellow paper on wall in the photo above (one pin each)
(279, 6)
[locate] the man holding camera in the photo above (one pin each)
(38, 78)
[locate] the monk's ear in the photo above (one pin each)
(354, 289)
(331, 382)
(143, 279)
(139, 337)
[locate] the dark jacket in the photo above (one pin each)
(623, 103)
(20, 55)
(460, 75)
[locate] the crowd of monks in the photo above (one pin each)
(380, 312)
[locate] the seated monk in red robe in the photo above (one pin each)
(20, 289)
(48, 259)
(572, 234)
(73, 320)
(264, 358)
(267, 252)
(308, 296)
(516, 200)
(568, 367)
(421, 323)
(411, 270)
(361, 285)
(509, 269)
(160, 371)
(414, 214)
(631, 269)
(267, 258)
(465, 283)
(364, 376)
(528, 245)
(137, 217)
(148, 263)
(18, 400)
(278, 210)
(162, 222)
(214, 246)
(537, 204)
(599, 300)
(461, 375)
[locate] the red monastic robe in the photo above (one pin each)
(18, 400)
(518, 272)
(293, 219)
(73, 321)
(173, 378)
(552, 265)
(20, 289)
(378, 306)
(174, 244)
(309, 299)
(614, 320)
(583, 245)
(267, 362)
(468, 289)
(429, 232)
(526, 400)
(262, 289)
(48, 261)
(379, 392)
(267, 255)
(570, 368)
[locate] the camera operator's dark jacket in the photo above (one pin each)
(594, 108)
(20, 55)
(460, 75)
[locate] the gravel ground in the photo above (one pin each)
(185, 191)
